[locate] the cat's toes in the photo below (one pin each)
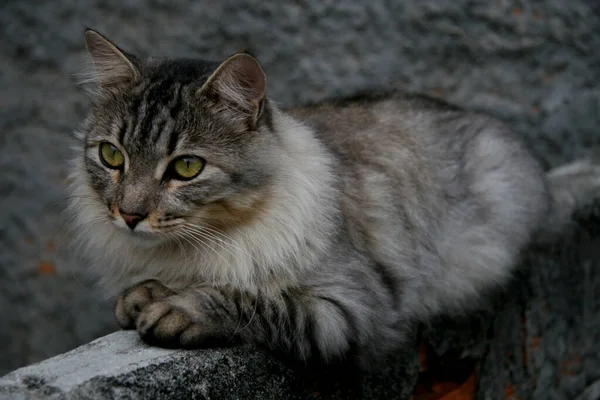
(135, 299)
(166, 325)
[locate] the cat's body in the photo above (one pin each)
(321, 231)
(443, 200)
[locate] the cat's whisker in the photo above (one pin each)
(184, 237)
(235, 331)
(226, 241)
(173, 235)
(166, 228)
(212, 228)
(181, 247)
(193, 231)
(208, 227)
(204, 221)
(176, 240)
(198, 240)
(250, 320)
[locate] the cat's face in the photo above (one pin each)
(175, 145)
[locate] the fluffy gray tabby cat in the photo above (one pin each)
(322, 232)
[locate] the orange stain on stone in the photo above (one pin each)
(449, 390)
(442, 390)
(46, 268)
(509, 392)
(50, 246)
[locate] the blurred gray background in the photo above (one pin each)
(534, 64)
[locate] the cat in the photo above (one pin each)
(323, 232)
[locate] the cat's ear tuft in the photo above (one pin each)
(240, 80)
(111, 67)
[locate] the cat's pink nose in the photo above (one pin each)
(132, 219)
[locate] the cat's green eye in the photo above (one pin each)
(111, 156)
(187, 167)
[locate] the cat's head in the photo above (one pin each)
(173, 144)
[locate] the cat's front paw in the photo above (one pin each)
(172, 324)
(135, 299)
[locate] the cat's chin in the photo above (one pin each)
(140, 239)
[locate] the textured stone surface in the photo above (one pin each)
(531, 63)
(119, 366)
(545, 340)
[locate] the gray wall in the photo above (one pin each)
(534, 64)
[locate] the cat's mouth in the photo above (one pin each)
(152, 228)
(146, 230)
(138, 225)
(145, 237)
(142, 229)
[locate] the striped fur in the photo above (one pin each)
(324, 232)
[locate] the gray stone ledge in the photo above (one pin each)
(120, 366)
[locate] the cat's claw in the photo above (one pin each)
(136, 299)
(164, 324)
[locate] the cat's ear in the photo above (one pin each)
(111, 67)
(239, 80)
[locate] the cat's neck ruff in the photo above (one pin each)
(278, 245)
(300, 220)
